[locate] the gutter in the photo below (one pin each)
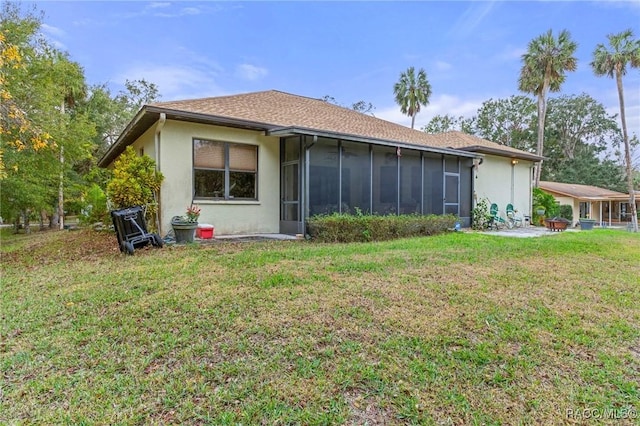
(156, 141)
(522, 155)
(159, 126)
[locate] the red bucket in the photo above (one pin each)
(205, 231)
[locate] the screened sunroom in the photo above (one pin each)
(324, 175)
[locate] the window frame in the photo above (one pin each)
(227, 170)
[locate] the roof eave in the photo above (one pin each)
(291, 131)
(149, 114)
(122, 142)
(612, 197)
(503, 153)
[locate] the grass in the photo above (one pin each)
(454, 329)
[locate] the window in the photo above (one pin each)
(225, 170)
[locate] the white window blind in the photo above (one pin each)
(243, 158)
(208, 154)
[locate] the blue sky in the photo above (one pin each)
(352, 51)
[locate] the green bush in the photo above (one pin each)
(480, 215)
(135, 182)
(95, 207)
(565, 211)
(346, 228)
(546, 200)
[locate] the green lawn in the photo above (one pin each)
(455, 329)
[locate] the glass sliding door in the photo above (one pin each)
(452, 185)
(466, 191)
(290, 183)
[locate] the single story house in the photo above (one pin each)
(605, 206)
(263, 162)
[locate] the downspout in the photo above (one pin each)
(531, 171)
(156, 141)
(513, 179)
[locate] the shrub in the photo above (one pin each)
(480, 215)
(546, 200)
(346, 228)
(95, 208)
(135, 182)
(565, 211)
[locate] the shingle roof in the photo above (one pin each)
(286, 110)
(585, 192)
(465, 141)
(274, 110)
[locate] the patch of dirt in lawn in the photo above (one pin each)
(47, 247)
(365, 411)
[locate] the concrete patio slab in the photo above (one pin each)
(527, 232)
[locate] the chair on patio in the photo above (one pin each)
(513, 219)
(496, 220)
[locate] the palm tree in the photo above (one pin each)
(613, 63)
(412, 92)
(543, 70)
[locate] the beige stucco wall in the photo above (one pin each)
(575, 204)
(495, 177)
(594, 207)
(146, 142)
(228, 216)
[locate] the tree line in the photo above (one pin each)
(544, 69)
(53, 124)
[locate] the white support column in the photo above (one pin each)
(600, 202)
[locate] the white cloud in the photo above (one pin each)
(185, 11)
(159, 5)
(633, 6)
(510, 53)
(251, 72)
(175, 82)
(54, 34)
(443, 66)
(59, 45)
(631, 103)
(439, 105)
(190, 11)
(471, 18)
(169, 10)
(53, 31)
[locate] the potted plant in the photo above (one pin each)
(184, 227)
(586, 224)
(538, 214)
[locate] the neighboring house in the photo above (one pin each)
(264, 162)
(603, 205)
